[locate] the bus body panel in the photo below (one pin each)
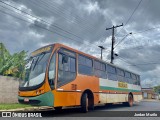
(68, 95)
(46, 99)
(112, 93)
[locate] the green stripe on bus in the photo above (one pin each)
(46, 99)
(118, 89)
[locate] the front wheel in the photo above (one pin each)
(84, 103)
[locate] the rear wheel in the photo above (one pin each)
(84, 103)
(130, 101)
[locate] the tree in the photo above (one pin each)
(12, 64)
(157, 89)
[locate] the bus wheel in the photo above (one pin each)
(84, 103)
(130, 100)
(58, 108)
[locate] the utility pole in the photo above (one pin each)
(101, 50)
(113, 41)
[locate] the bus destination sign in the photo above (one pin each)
(44, 49)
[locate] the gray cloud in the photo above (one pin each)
(85, 22)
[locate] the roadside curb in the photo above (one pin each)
(29, 109)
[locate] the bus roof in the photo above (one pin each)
(90, 56)
(58, 45)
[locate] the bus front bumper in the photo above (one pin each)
(46, 99)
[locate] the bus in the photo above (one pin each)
(60, 76)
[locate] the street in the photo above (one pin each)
(112, 112)
(116, 110)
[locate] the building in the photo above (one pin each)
(148, 93)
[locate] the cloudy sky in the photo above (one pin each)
(81, 24)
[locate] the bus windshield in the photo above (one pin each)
(35, 69)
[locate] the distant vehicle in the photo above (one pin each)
(60, 76)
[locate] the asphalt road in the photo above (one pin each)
(114, 112)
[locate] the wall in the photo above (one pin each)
(8, 89)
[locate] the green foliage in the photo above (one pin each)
(157, 89)
(12, 64)
(8, 106)
(4, 55)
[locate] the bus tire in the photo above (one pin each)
(130, 101)
(84, 103)
(58, 108)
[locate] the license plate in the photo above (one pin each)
(26, 99)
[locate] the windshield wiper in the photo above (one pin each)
(38, 59)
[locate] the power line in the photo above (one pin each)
(49, 24)
(40, 19)
(121, 40)
(121, 58)
(131, 15)
(51, 5)
(128, 62)
(146, 30)
(44, 27)
(43, 21)
(36, 24)
(49, 8)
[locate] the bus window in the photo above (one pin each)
(137, 80)
(111, 71)
(100, 69)
(133, 78)
(52, 71)
(66, 70)
(128, 77)
(120, 75)
(85, 65)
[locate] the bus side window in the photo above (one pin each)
(66, 69)
(120, 75)
(111, 71)
(128, 77)
(100, 69)
(139, 82)
(134, 78)
(85, 65)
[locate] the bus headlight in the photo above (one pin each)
(41, 91)
(37, 92)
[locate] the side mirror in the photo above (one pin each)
(64, 59)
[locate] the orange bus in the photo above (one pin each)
(60, 76)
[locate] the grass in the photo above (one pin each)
(7, 106)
